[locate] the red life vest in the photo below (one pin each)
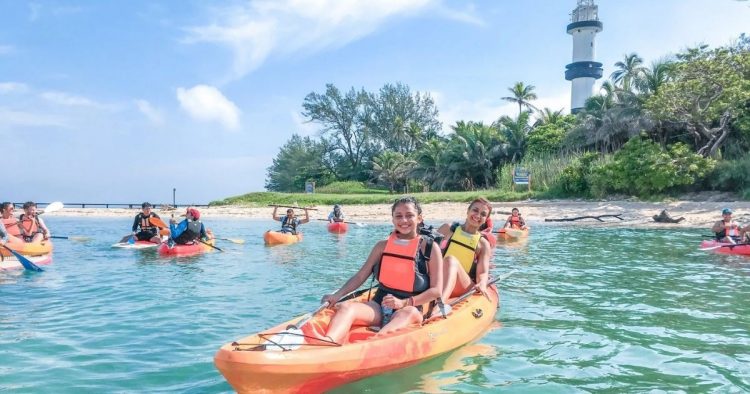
(402, 269)
(11, 226)
(30, 226)
(515, 221)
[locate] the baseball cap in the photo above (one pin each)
(726, 211)
(146, 205)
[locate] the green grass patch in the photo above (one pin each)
(349, 187)
(301, 199)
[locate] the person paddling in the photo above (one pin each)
(466, 252)
(336, 215)
(10, 222)
(408, 269)
(143, 229)
(190, 230)
(515, 220)
(726, 229)
(290, 222)
(32, 226)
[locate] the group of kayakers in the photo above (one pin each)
(148, 226)
(27, 227)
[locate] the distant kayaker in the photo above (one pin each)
(290, 222)
(336, 215)
(466, 253)
(32, 226)
(408, 268)
(515, 220)
(10, 222)
(190, 230)
(143, 229)
(726, 229)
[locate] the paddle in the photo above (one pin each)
(27, 264)
(721, 246)
(472, 291)
(72, 238)
(293, 207)
(232, 240)
(52, 207)
(358, 224)
(206, 243)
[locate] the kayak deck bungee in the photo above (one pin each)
(28, 248)
(338, 227)
(137, 245)
(12, 263)
(255, 364)
(271, 238)
(727, 248)
(185, 250)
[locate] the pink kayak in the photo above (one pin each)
(12, 263)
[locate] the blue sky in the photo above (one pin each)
(121, 101)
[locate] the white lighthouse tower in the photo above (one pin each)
(583, 71)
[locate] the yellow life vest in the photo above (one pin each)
(463, 246)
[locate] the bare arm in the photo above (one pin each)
(718, 226)
(306, 219)
(44, 228)
(273, 215)
(483, 265)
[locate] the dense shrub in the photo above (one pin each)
(573, 178)
(731, 175)
(348, 187)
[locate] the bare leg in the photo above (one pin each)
(38, 237)
(455, 279)
(402, 318)
(350, 313)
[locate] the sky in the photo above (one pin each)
(124, 101)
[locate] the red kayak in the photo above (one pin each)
(726, 247)
(338, 227)
(185, 250)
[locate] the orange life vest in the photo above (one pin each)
(515, 221)
(146, 224)
(402, 269)
(11, 226)
(30, 226)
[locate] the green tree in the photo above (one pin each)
(299, 160)
(391, 168)
(474, 152)
(522, 95)
(430, 166)
(516, 134)
(628, 71)
(547, 138)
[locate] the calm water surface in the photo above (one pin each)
(588, 310)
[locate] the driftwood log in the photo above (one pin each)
(664, 217)
(599, 218)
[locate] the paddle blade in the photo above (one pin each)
(233, 240)
(54, 206)
(131, 240)
(27, 264)
(158, 222)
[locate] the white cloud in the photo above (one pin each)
(6, 49)
(69, 100)
(10, 119)
(13, 87)
(206, 103)
(263, 28)
(153, 114)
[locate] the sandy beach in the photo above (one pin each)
(633, 213)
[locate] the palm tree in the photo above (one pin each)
(522, 95)
(516, 133)
(547, 116)
(391, 168)
(655, 77)
(429, 164)
(628, 71)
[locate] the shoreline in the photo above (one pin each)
(635, 213)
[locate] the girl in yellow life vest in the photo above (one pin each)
(409, 272)
(466, 253)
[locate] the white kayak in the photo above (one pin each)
(136, 245)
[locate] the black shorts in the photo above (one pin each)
(145, 235)
(380, 293)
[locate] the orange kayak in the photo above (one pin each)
(338, 227)
(512, 234)
(28, 248)
(316, 366)
(185, 250)
(276, 238)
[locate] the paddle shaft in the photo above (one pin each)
(293, 207)
(27, 264)
(472, 291)
(206, 243)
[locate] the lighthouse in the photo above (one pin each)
(583, 71)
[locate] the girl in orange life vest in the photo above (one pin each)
(32, 226)
(466, 254)
(406, 217)
(515, 220)
(10, 223)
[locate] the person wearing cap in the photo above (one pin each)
(336, 215)
(726, 229)
(143, 229)
(190, 230)
(290, 222)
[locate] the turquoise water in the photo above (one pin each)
(588, 310)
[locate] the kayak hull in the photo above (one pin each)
(272, 238)
(185, 250)
(338, 227)
(727, 248)
(137, 245)
(313, 369)
(12, 263)
(28, 248)
(512, 234)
